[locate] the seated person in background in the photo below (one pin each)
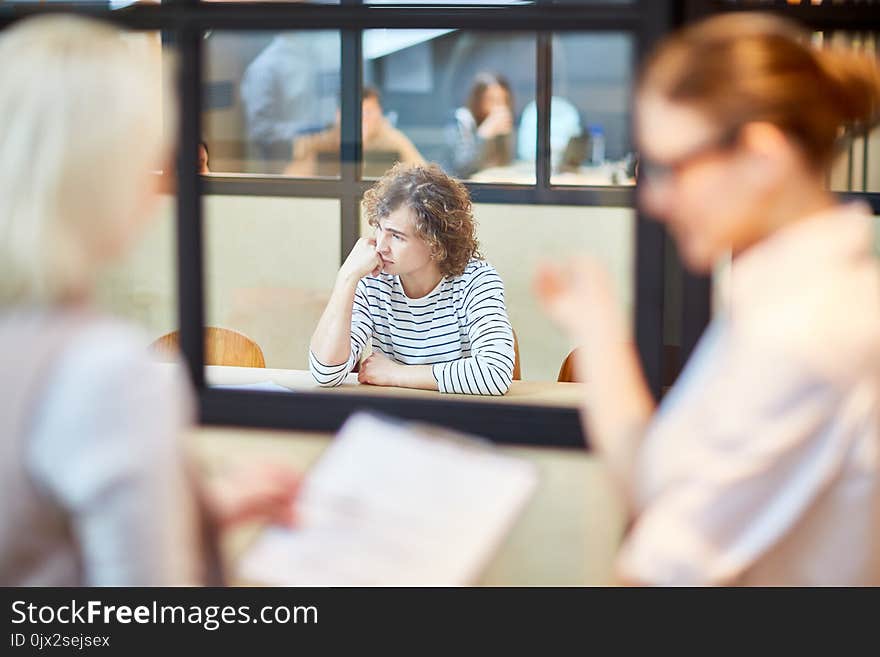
(203, 158)
(482, 136)
(377, 133)
(291, 87)
(566, 151)
(96, 487)
(420, 289)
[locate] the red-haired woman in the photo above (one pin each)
(762, 464)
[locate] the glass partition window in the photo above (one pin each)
(465, 100)
(512, 242)
(458, 98)
(271, 263)
(271, 102)
(434, 95)
(141, 287)
(269, 269)
(590, 142)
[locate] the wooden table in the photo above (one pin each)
(567, 535)
(541, 393)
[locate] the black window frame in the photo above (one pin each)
(645, 20)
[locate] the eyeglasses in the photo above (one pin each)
(659, 172)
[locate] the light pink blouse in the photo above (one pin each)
(762, 465)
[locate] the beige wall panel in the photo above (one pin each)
(270, 266)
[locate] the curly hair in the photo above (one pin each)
(441, 208)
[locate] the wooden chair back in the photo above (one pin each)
(567, 373)
(223, 346)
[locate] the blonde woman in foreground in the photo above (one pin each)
(762, 464)
(95, 490)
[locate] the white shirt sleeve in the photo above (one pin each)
(328, 375)
(107, 447)
(756, 459)
(489, 368)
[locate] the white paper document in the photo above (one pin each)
(261, 386)
(395, 504)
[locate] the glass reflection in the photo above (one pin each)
(459, 97)
(590, 141)
(264, 92)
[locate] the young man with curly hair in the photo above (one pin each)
(420, 290)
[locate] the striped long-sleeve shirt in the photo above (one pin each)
(461, 328)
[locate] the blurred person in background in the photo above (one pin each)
(482, 134)
(761, 466)
(290, 89)
(95, 485)
(377, 134)
(203, 158)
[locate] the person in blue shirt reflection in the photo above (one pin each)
(290, 89)
(565, 125)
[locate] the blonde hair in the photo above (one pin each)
(81, 131)
(746, 67)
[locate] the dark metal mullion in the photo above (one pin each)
(559, 195)
(349, 15)
(543, 94)
(505, 423)
(696, 311)
(349, 217)
(503, 193)
(650, 247)
(351, 147)
(190, 273)
(350, 105)
(244, 16)
(234, 185)
(696, 291)
(650, 272)
(865, 137)
(696, 305)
